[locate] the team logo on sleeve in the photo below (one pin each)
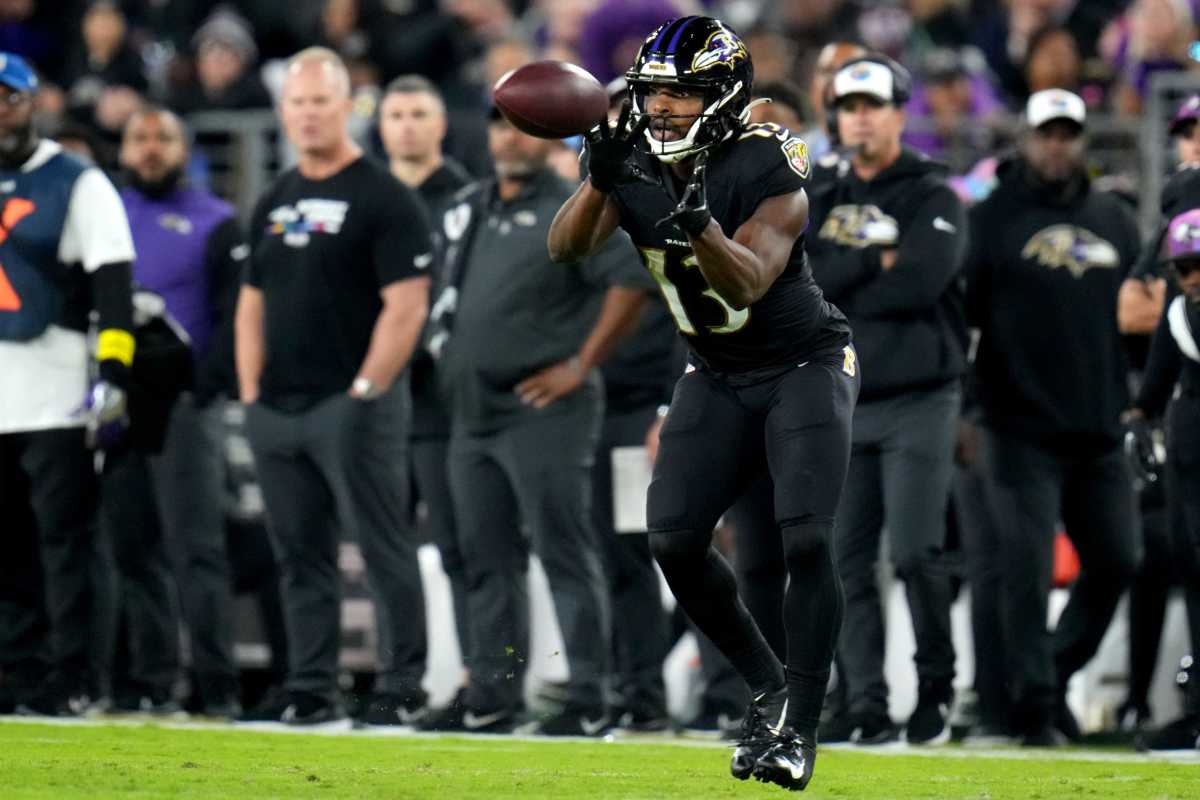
(722, 49)
(796, 153)
(859, 227)
(296, 224)
(1071, 248)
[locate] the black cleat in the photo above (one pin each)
(763, 717)
(789, 761)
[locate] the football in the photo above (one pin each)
(551, 99)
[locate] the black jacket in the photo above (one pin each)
(908, 320)
(1043, 272)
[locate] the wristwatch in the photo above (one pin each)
(363, 389)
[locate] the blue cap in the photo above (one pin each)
(16, 74)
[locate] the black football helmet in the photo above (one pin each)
(700, 53)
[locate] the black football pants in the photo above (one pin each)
(342, 465)
(720, 433)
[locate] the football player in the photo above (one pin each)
(717, 208)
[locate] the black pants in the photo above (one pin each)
(49, 472)
(901, 465)
(984, 574)
(1031, 489)
(717, 437)
(342, 464)
(429, 461)
(1183, 494)
(639, 627)
(167, 524)
(530, 484)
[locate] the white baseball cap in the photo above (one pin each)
(1052, 104)
(865, 77)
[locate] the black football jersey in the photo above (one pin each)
(792, 321)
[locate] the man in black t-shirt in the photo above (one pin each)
(329, 315)
(717, 208)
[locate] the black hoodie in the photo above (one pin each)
(1045, 264)
(908, 320)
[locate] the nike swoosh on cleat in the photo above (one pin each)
(411, 717)
(942, 225)
(472, 722)
(592, 728)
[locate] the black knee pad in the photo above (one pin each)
(804, 540)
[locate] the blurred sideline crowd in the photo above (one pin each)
(1036, 452)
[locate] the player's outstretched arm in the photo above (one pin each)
(742, 269)
(590, 215)
(582, 225)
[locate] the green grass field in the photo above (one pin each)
(103, 761)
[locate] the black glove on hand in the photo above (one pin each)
(609, 148)
(692, 215)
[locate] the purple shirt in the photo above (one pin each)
(171, 236)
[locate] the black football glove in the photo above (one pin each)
(692, 214)
(609, 149)
(1139, 448)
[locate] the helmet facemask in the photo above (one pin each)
(715, 123)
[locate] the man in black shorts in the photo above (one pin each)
(772, 378)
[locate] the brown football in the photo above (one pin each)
(551, 99)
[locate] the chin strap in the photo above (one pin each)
(744, 117)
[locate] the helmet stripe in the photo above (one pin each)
(662, 35)
(679, 32)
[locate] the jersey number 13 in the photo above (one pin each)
(656, 262)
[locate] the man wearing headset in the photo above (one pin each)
(888, 240)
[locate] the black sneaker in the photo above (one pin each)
(1065, 722)
(311, 709)
(60, 696)
(764, 717)
(270, 708)
(447, 718)
(1180, 734)
(988, 734)
(156, 704)
(571, 722)
(715, 720)
(386, 709)
(226, 710)
(862, 727)
(788, 762)
(927, 725)
(496, 721)
(644, 721)
(1134, 717)
(1044, 736)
